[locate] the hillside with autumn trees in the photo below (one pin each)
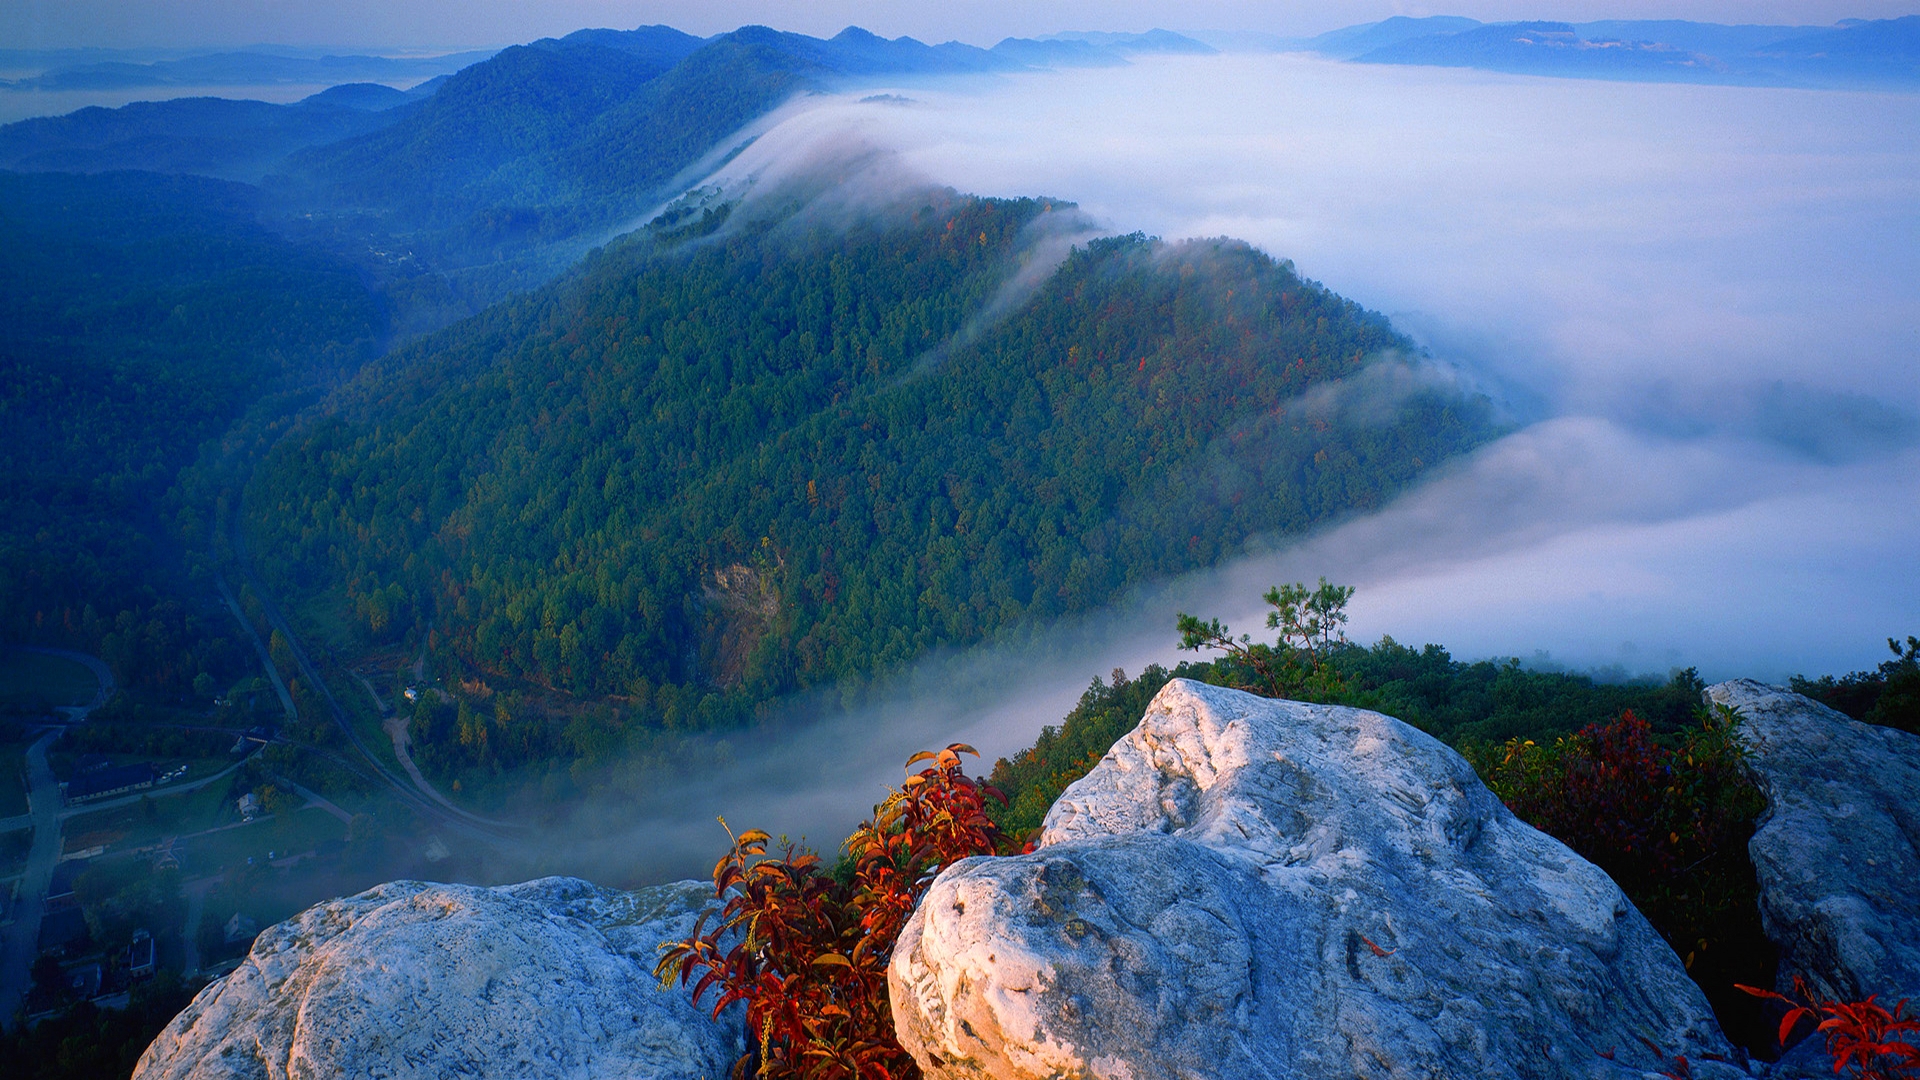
(697, 476)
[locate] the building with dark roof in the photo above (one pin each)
(140, 955)
(60, 887)
(103, 783)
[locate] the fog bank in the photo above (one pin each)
(1701, 306)
(1724, 281)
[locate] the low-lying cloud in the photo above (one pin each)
(1700, 304)
(1708, 296)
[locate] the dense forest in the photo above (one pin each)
(145, 312)
(698, 478)
(140, 316)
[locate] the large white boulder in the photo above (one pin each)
(1255, 888)
(548, 979)
(1837, 852)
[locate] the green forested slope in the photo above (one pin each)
(705, 478)
(555, 140)
(139, 315)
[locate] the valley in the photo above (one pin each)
(510, 473)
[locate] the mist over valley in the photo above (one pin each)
(507, 462)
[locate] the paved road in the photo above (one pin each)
(43, 796)
(65, 812)
(45, 814)
(101, 674)
(431, 801)
(196, 905)
(266, 655)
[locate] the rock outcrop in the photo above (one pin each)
(1256, 888)
(1837, 852)
(551, 978)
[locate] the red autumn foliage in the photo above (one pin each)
(1862, 1036)
(806, 953)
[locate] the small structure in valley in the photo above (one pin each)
(101, 783)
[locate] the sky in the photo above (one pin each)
(449, 24)
(1698, 305)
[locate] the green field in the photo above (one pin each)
(230, 848)
(31, 680)
(159, 816)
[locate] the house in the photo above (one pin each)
(240, 928)
(140, 955)
(249, 806)
(83, 980)
(105, 782)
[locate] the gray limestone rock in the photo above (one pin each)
(1255, 888)
(551, 978)
(1838, 850)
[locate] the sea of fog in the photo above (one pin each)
(1700, 306)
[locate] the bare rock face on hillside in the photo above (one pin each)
(1257, 888)
(551, 978)
(1838, 850)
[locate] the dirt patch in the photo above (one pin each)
(740, 603)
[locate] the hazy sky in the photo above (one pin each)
(458, 23)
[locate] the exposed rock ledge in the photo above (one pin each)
(1838, 850)
(1256, 888)
(1243, 887)
(551, 978)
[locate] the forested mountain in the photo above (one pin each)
(564, 139)
(702, 477)
(139, 316)
(762, 484)
(376, 213)
(214, 137)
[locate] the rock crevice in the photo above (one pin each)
(1837, 851)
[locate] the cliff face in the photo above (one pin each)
(551, 978)
(1838, 850)
(1250, 888)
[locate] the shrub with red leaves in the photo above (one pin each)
(1669, 821)
(807, 954)
(1864, 1040)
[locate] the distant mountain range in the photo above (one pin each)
(1855, 54)
(506, 167)
(853, 51)
(102, 70)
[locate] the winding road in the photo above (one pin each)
(45, 814)
(420, 795)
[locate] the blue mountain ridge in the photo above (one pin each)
(1856, 54)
